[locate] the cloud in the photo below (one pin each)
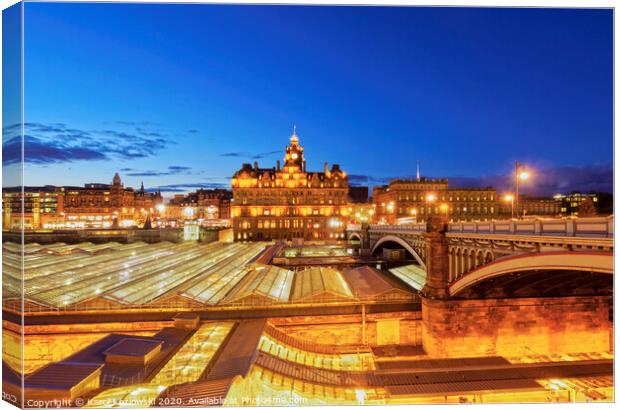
(242, 154)
(192, 131)
(548, 181)
(544, 181)
(40, 152)
(51, 143)
(172, 170)
(190, 186)
(366, 180)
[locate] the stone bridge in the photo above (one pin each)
(492, 249)
(508, 288)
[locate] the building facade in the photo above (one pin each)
(405, 200)
(289, 202)
(529, 206)
(570, 204)
(69, 207)
(207, 205)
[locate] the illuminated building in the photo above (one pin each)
(531, 206)
(359, 213)
(569, 204)
(416, 199)
(209, 205)
(42, 207)
(289, 202)
(68, 207)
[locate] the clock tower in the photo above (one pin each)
(294, 152)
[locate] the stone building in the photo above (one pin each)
(530, 206)
(416, 199)
(206, 204)
(70, 207)
(289, 202)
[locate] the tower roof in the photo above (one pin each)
(294, 137)
(117, 179)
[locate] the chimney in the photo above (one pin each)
(278, 165)
(256, 165)
(304, 165)
(326, 168)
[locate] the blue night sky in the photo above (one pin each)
(179, 96)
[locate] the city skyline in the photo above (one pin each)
(390, 87)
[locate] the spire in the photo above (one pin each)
(294, 137)
(117, 179)
(142, 187)
(147, 223)
(417, 172)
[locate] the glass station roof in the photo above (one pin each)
(413, 275)
(117, 275)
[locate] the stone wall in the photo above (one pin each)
(516, 327)
(347, 329)
(49, 343)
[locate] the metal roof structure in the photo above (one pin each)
(320, 283)
(413, 275)
(366, 281)
(183, 275)
(264, 284)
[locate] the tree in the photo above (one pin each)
(587, 208)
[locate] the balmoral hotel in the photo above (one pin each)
(289, 202)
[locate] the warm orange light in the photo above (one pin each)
(524, 175)
(508, 197)
(430, 197)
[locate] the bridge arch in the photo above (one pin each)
(354, 237)
(401, 242)
(595, 262)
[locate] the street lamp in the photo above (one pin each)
(521, 174)
(510, 198)
(430, 198)
(444, 208)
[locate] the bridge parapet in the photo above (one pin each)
(601, 227)
(354, 227)
(580, 227)
(394, 229)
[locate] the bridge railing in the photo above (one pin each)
(354, 227)
(601, 227)
(406, 228)
(587, 227)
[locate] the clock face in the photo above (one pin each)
(294, 155)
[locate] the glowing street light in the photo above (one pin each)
(521, 174)
(430, 198)
(444, 208)
(510, 198)
(160, 208)
(188, 212)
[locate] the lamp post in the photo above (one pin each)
(430, 198)
(520, 174)
(510, 198)
(444, 208)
